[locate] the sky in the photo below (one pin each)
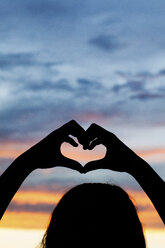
(99, 61)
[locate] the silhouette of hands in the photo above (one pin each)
(47, 153)
(118, 156)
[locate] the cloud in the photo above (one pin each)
(41, 14)
(24, 59)
(143, 86)
(130, 85)
(19, 120)
(44, 100)
(141, 76)
(107, 43)
(48, 85)
(161, 73)
(89, 88)
(36, 9)
(43, 207)
(146, 96)
(83, 82)
(49, 8)
(48, 207)
(40, 104)
(7, 61)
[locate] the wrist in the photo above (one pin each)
(24, 164)
(138, 168)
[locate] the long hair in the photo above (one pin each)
(94, 215)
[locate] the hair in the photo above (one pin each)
(92, 215)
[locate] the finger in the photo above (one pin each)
(94, 165)
(93, 132)
(70, 163)
(73, 128)
(105, 137)
(94, 143)
(71, 141)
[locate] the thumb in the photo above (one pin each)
(93, 165)
(70, 163)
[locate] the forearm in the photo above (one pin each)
(10, 181)
(152, 184)
(45, 154)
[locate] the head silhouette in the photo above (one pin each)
(94, 215)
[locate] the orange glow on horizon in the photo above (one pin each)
(154, 155)
(151, 152)
(10, 153)
(38, 220)
(25, 220)
(145, 209)
(12, 149)
(36, 197)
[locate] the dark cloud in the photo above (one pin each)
(32, 102)
(83, 82)
(64, 85)
(11, 60)
(20, 121)
(107, 43)
(5, 132)
(131, 85)
(16, 59)
(42, 12)
(27, 125)
(161, 72)
(39, 8)
(146, 96)
(142, 76)
(25, 120)
(143, 208)
(137, 85)
(88, 87)
(46, 100)
(55, 8)
(49, 85)
(44, 207)
(48, 8)
(42, 104)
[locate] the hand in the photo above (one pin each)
(118, 156)
(47, 154)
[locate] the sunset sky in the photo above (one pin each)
(99, 61)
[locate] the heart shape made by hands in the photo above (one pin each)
(81, 155)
